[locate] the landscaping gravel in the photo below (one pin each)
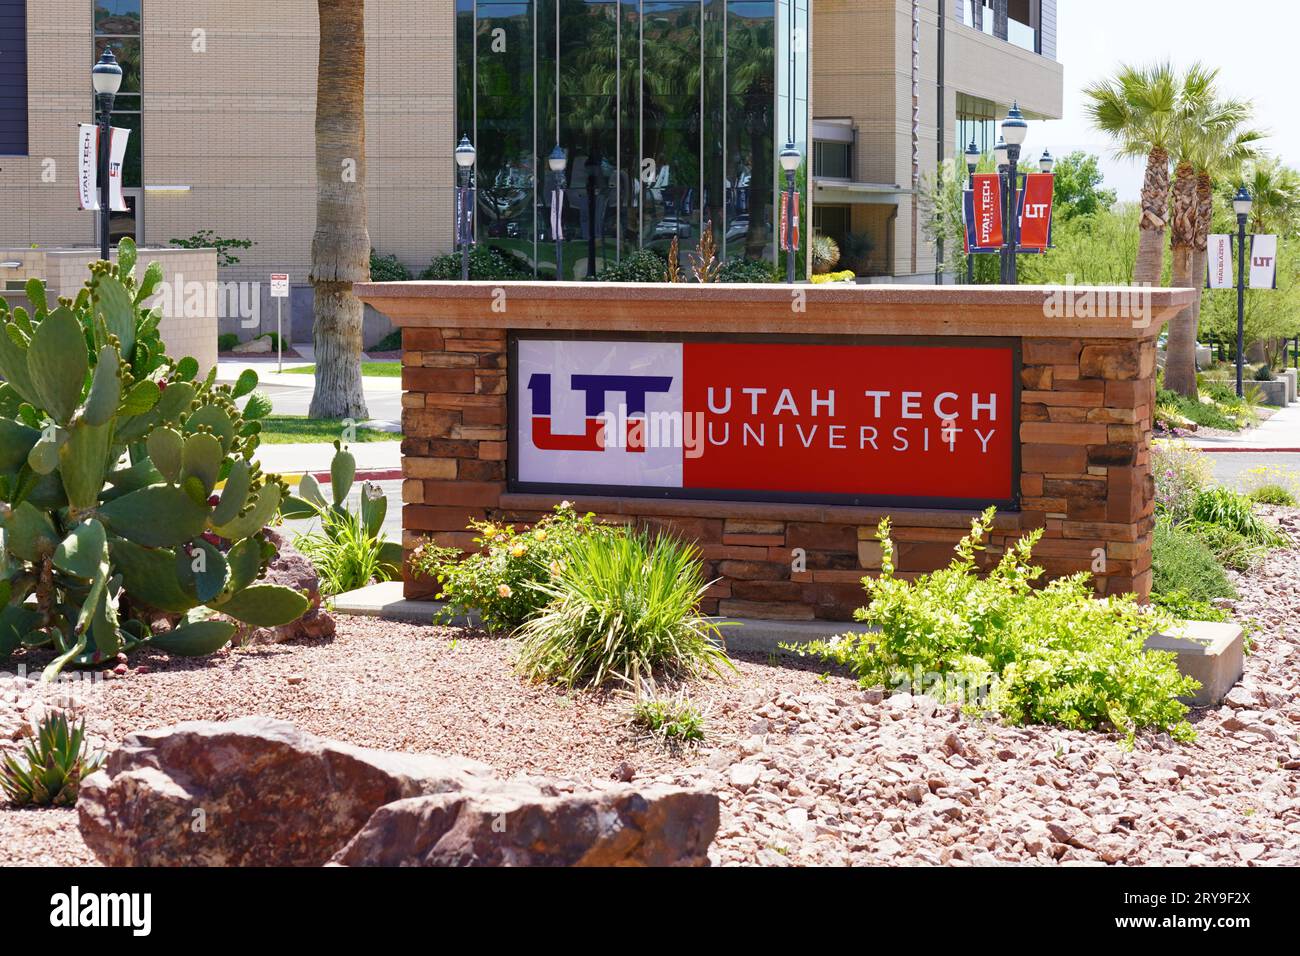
(811, 769)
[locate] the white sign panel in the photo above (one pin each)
(279, 285)
(577, 397)
(1219, 261)
(88, 167)
(1263, 262)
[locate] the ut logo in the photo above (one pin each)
(1262, 262)
(1037, 210)
(633, 387)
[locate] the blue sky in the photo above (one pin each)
(1253, 42)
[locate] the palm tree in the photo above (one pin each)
(1207, 135)
(340, 249)
(1138, 108)
(1220, 155)
(1275, 191)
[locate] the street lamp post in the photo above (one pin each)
(465, 156)
(1241, 204)
(1046, 162)
(1014, 131)
(593, 170)
(557, 162)
(789, 162)
(1000, 158)
(106, 76)
(972, 161)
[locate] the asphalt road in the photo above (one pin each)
(1230, 466)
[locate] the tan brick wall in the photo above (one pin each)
(236, 125)
(862, 68)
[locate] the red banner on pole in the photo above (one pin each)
(986, 221)
(1036, 211)
(789, 238)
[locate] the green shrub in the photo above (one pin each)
(349, 549)
(643, 265)
(1186, 608)
(1180, 561)
(1272, 495)
(672, 720)
(1205, 414)
(1264, 373)
(1230, 549)
(207, 239)
(1272, 485)
(748, 270)
(624, 608)
(1181, 471)
(392, 342)
(498, 580)
(227, 341)
(387, 269)
(51, 767)
(486, 263)
(1233, 510)
(1053, 655)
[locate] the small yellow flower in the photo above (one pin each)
(541, 535)
(504, 591)
(556, 568)
(517, 551)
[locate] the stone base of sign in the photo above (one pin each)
(1087, 390)
(1289, 375)
(1212, 653)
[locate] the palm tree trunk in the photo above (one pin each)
(1150, 265)
(1180, 354)
(340, 249)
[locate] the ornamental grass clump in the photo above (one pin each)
(1001, 646)
(623, 609)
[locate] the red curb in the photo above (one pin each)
(391, 474)
(1211, 450)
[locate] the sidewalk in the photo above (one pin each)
(1281, 433)
(375, 460)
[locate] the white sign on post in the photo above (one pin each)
(1263, 262)
(1219, 260)
(279, 292)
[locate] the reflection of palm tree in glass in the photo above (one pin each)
(671, 87)
(751, 61)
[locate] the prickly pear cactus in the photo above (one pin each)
(111, 456)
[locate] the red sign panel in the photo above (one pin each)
(771, 421)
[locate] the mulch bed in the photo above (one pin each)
(811, 769)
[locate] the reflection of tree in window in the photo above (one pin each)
(117, 17)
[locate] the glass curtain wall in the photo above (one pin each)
(667, 111)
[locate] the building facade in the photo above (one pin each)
(670, 113)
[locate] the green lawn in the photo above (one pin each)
(368, 370)
(286, 429)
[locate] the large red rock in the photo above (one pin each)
(523, 824)
(259, 792)
(251, 792)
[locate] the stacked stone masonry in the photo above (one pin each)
(1085, 432)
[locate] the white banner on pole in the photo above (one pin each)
(1219, 261)
(1263, 262)
(88, 167)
